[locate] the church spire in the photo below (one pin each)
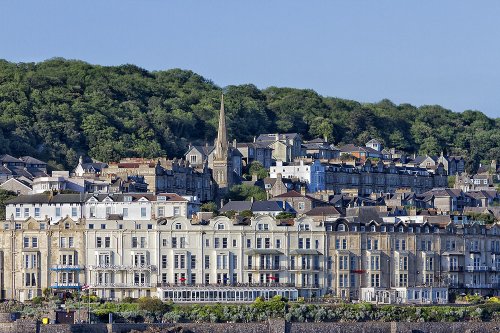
(221, 144)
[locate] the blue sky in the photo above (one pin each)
(418, 52)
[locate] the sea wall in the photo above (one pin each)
(273, 326)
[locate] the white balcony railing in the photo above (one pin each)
(66, 267)
(122, 267)
(477, 268)
(122, 285)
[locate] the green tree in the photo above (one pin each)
(256, 168)
(5, 196)
(246, 192)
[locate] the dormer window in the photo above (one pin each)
(400, 229)
(161, 198)
(178, 226)
(220, 226)
(373, 228)
(341, 228)
(127, 198)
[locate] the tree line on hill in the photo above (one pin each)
(59, 109)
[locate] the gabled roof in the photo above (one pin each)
(237, 206)
(6, 158)
(31, 160)
(290, 194)
(171, 197)
(323, 211)
(267, 206)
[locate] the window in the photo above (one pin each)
(164, 261)
(37, 212)
(234, 242)
(259, 243)
(143, 242)
(91, 226)
(107, 241)
(63, 244)
(58, 211)
(143, 211)
(178, 226)
(125, 212)
(341, 227)
(34, 242)
(301, 243)
(27, 212)
(177, 211)
(302, 205)
(18, 212)
(278, 243)
(150, 227)
(193, 262)
(73, 211)
(98, 242)
(71, 242)
(103, 226)
(207, 262)
(174, 242)
(249, 243)
(161, 211)
(66, 225)
(42, 226)
(138, 226)
(134, 242)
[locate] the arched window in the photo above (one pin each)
(178, 226)
(341, 227)
(220, 226)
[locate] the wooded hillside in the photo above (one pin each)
(58, 109)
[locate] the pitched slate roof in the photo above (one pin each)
(6, 158)
(267, 206)
(237, 206)
(290, 194)
(31, 160)
(323, 211)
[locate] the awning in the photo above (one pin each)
(263, 251)
(305, 251)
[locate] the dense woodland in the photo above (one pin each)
(59, 109)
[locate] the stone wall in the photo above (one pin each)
(273, 326)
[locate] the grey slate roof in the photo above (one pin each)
(237, 206)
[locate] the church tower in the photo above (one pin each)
(222, 163)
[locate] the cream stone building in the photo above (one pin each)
(359, 257)
(37, 255)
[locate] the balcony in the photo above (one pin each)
(482, 285)
(454, 268)
(123, 267)
(66, 267)
(222, 285)
(66, 285)
(309, 286)
(477, 268)
(122, 285)
(495, 268)
(304, 268)
(266, 268)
